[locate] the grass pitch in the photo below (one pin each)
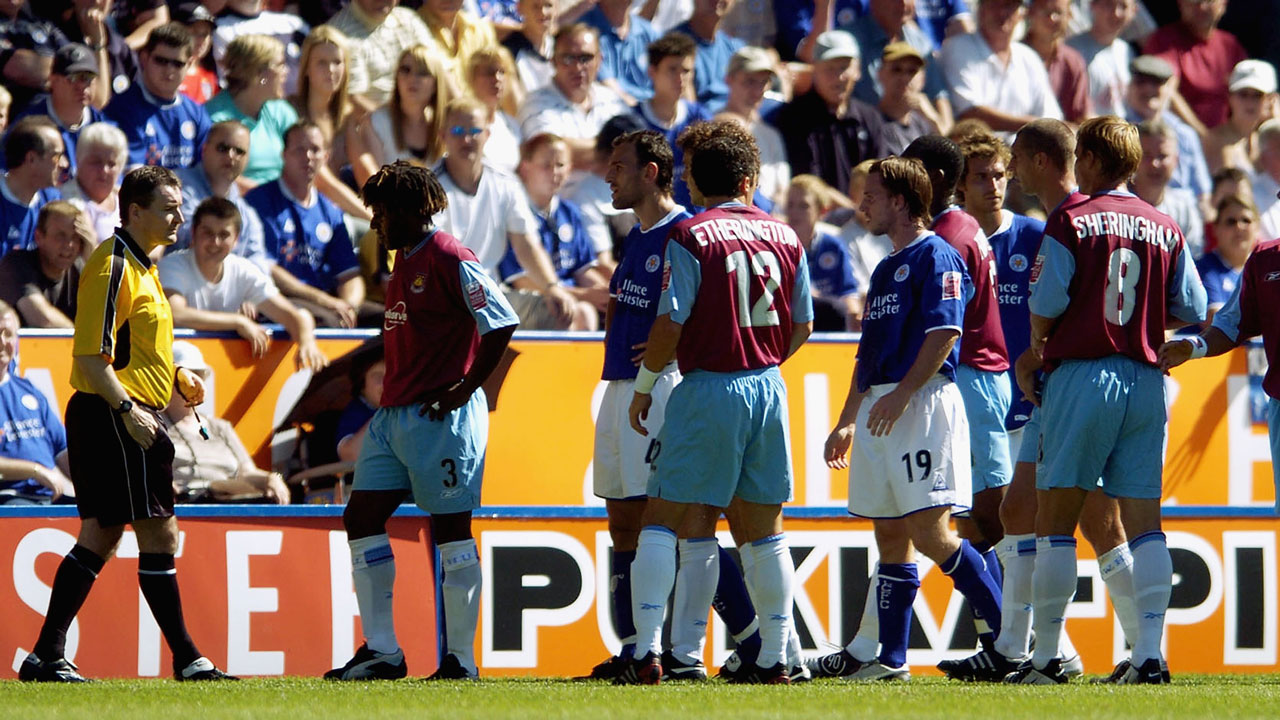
(1197, 697)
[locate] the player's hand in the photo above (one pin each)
(249, 310)
(142, 427)
(639, 356)
(53, 479)
(639, 410)
(1174, 353)
(258, 337)
(836, 451)
(309, 357)
(559, 302)
(886, 411)
(437, 406)
(190, 386)
(1024, 369)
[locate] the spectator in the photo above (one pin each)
(489, 212)
(135, 19)
(68, 102)
(41, 283)
(27, 45)
(573, 106)
(209, 288)
(366, 397)
(714, 50)
(210, 462)
(34, 155)
(322, 99)
(753, 22)
(625, 38)
(1236, 228)
(941, 19)
(6, 104)
(866, 249)
(1106, 55)
(798, 22)
(892, 21)
(751, 70)
(905, 112)
(1227, 181)
(1252, 100)
(491, 77)
(222, 159)
(533, 45)
(101, 153)
(457, 33)
(544, 167)
(379, 33)
(837, 305)
(1202, 57)
(826, 132)
(163, 127)
(1266, 178)
(1151, 86)
(1151, 182)
(201, 82)
(254, 69)
(409, 128)
(86, 22)
(33, 443)
(1068, 73)
(248, 17)
(667, 111)
(993, 78)
(306, 235)
(606, 225)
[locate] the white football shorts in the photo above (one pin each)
(622, 455)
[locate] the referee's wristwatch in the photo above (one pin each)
(124, 407)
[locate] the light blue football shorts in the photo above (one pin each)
(1273, 429)
(725, 435)
(440, 461)
(987, 397)
(1029, 442)
(1103, 418)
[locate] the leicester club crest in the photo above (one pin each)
(902, 273)
(1018, 262)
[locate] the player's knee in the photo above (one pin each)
(102, 541)
(1100, 524)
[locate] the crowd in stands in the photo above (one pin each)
(274, 112)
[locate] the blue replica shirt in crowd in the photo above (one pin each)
(914, 291)
(625, 60)
(710, 64)
(169, 134)
(563, 236)
(687, 113)
(18, 219)
(309, 241)
(933, 15)
(43, 105)
(830, 268)
(29, 430)
(1220, 279)
(354, 416)
(635, 288)
(794, 20)
(1015, 245)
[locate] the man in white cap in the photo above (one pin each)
(827, 132)
(1152, 84)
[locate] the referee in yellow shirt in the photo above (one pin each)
(120, 455)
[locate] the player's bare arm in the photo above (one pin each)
(492, 346)
(836, 450)
(1024, 370)
(659, 350)
(886, 411)
(1179, 350)
(800, 333)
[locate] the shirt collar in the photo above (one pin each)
(8, 194)
(675, 211)
(134, 248)
(311, 196)
(158, 102)
(422, 243)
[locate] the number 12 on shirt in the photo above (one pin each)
(762, 264)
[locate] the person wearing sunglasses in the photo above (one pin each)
(164, 127)
(69, 100)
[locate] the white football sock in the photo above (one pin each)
(772, 573)
(373, 573)
(1014, 639)
(1053, 586)
(1116, 568)
(1152, 588)
(696, 580)
(865, 645)
(461, 591)
(653, 572)
(746, 559)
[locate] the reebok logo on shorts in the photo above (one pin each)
(951, 285)
(475, 295)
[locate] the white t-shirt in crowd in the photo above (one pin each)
(242, 282)
(976, 78)
(483, 221)
(502, 149)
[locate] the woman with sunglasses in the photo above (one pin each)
(1236, 229)
(409, 127)
(255, 71)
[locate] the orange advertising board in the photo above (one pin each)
(540, 441)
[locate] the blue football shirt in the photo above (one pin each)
(311, 242)
(169, 134)
(1015, 245)
(563, 236)
(18, 219)
(29, 430)
(830, 268)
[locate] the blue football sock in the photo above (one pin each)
(620, 589)
(993, 566)
(966, 569)
(896, 592)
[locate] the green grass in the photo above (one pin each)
(1198, 697)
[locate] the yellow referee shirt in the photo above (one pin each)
(123, 315)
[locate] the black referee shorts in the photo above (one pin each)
(116, 481)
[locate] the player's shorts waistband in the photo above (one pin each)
(713, 374)
(877, 391)
(103, 400)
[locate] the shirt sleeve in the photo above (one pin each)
(1187, 299)
(103, 292)
(484, 299)
(682, 275)
(943, 298)
(1050, 278)
(801, 294)
(258, 285)
(520, 220)
(1228, 319)
(339, 253)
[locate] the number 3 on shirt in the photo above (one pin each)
(762, 263)
(1123, 270)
